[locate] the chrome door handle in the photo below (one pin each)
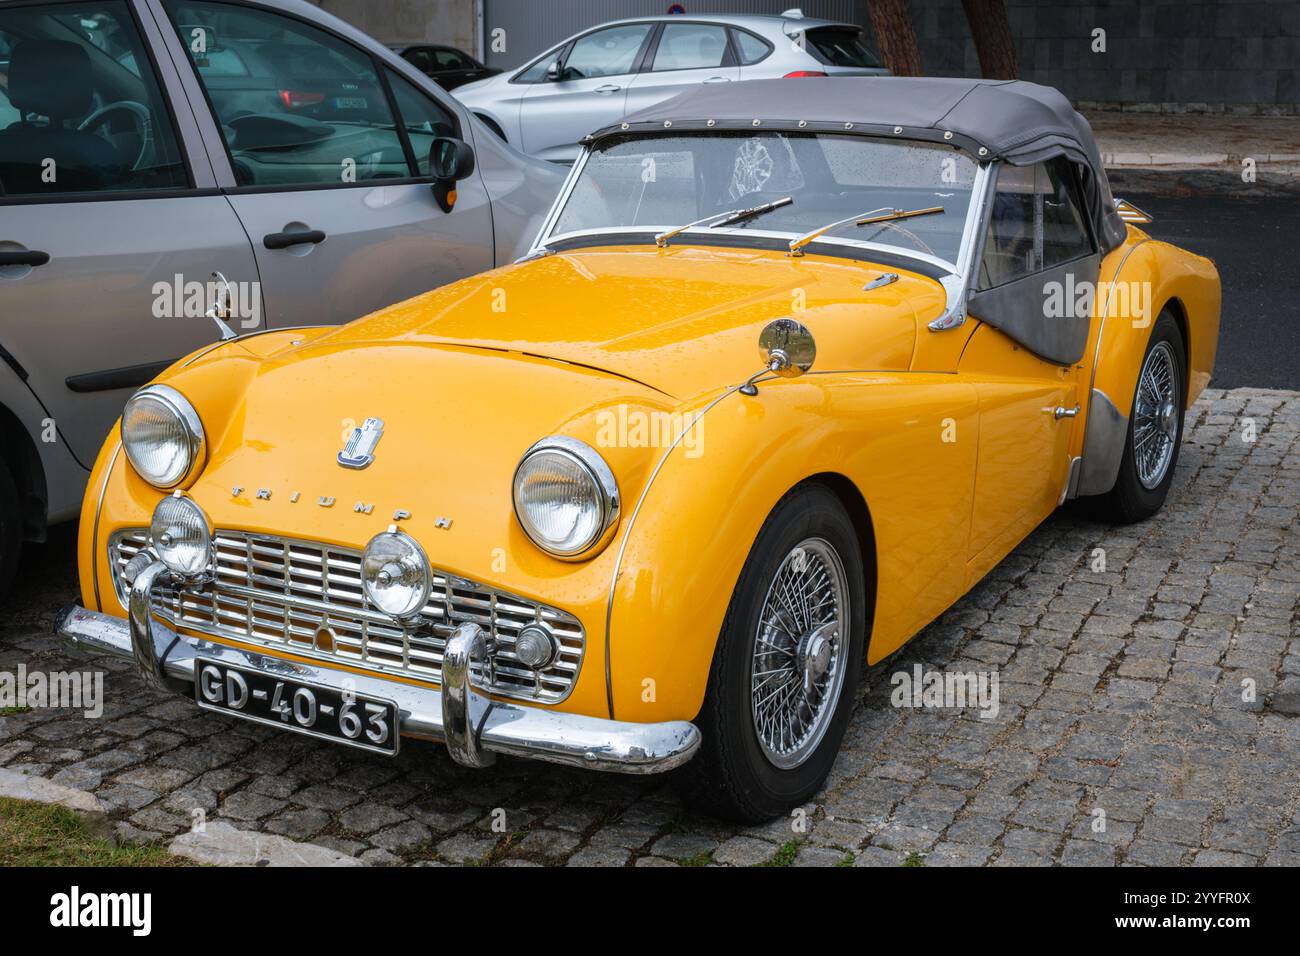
(607, 89)
(1060, 411)
(718, 79)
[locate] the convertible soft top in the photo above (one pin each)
(1017, 122)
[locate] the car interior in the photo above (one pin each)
(75, 113)
(297, 105)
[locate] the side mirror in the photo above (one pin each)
(788, 350)
(553, 72)
(450, 160)
(787, 347)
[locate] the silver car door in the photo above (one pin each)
(110, 222)
(686, 54)
(589, 92)
(332, 188)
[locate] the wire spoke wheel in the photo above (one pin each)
(798, 664)
(1155, 418)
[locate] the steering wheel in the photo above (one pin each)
(140, 118)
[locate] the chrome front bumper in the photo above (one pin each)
(475, 728)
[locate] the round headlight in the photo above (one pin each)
(565, 497)
(395, 574)
(162, 436)
(181, 536)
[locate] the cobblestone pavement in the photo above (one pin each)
(1123, 690)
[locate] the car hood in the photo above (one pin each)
(682, 320)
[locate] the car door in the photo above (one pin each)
(326, 147)
(110, 222)
(1038, 259)
(684, 54)
(590, 91)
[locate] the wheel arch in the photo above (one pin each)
(20, 455)
(1175, 307)
(850, 496)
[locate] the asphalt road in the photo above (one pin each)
(1252, 232)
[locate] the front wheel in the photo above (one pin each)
(11, 529)
(1155, 430)
(785, 671)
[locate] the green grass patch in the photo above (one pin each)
(38, 834)
(11, 711)
(914, 859)
(785, 856)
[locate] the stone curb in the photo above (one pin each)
(1120, 158)
(20, 786)
(220, 844)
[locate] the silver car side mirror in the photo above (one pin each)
(553, 72)
(788, 350)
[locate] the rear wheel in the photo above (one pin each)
(11, 529)
(1155, 430)
(785, 672)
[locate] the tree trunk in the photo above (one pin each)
(892, 22)
(992, 33)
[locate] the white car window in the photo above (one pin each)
(606, 52)
(690, 46)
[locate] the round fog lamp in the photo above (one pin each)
(534, 646)
(395, 574)
(181, 535)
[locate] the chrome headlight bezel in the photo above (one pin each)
(606, 502)
(196, 450)
(167, 551)
(422, 593)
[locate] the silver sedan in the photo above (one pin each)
(603, 74)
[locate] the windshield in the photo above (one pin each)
(658, 183)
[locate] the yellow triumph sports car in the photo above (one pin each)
(789, 369)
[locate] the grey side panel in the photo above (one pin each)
(520, 188)
(1019, 308)
(65, 479)
(1103, 445)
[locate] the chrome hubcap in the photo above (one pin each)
(1155, 416)
(797, 670)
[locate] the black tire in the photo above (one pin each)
(1130, 500)
(11, 529)
(732, 777)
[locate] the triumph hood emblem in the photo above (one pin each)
(360, 449)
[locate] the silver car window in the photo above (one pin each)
(690, 46)
(309, 107)
(608, 52)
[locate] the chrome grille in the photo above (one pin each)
(305, 598)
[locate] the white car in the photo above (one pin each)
(599, 76)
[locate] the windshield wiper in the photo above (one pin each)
(883, 214)
(722, 219)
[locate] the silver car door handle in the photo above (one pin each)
(607, 89)
(718, 79)
(1060, 411)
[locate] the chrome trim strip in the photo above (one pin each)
(900, 251)
(553, 736)
(627, 534)
(247, 335)
(957, 286)
(99, 508)
(561, 200)
(1110, 294)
